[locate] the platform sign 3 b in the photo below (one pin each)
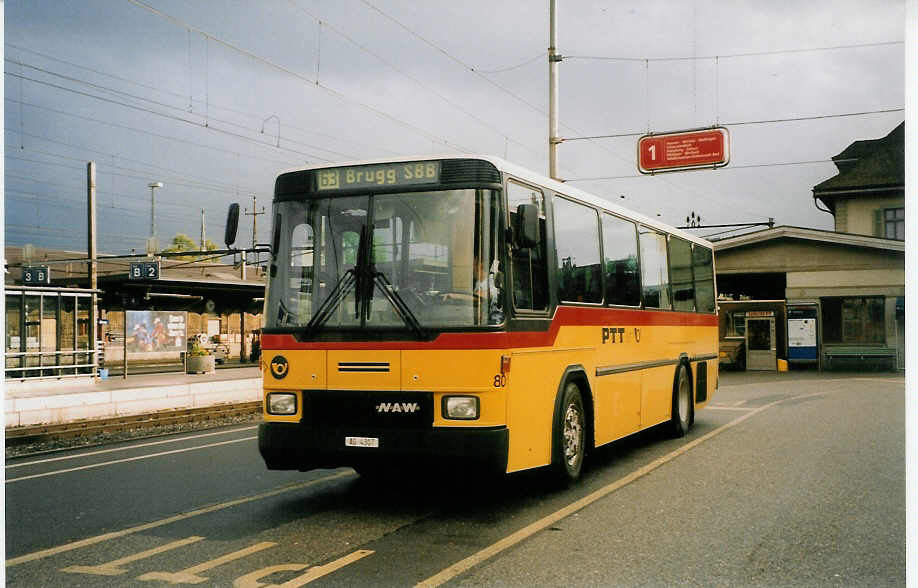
(36, 275)
(695, 149)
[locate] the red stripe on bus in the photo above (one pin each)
(565, 316)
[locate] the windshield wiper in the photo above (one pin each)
(342, 288)
(402, 309)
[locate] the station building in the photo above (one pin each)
(843, 290)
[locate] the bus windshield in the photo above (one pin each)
(417, 261)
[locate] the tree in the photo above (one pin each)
(182, 242)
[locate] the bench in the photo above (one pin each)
(876, 355)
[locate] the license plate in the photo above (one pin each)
(361, 441)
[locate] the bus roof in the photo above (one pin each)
(532, 177)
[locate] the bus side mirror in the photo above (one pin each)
(232, 224)
(527, 229)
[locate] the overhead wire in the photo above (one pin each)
(147, 132)
(489, 126)
(181, 119)
(752, 122)
(513, 67)
(733, 55)
(208, 184)
(719, 169)
(143, 99)
(211, 104)
(180, 23)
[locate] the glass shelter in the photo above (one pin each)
(49, 333)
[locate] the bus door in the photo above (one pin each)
(761, 348)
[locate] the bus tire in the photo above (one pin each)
(681, 420)
(569, 435)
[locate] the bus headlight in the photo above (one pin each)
(463, 408)
(281, 403)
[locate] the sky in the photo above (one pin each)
(214, 99)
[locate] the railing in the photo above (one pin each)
(19, 367)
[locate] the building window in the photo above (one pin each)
(736, 323)
(854, 320)
(894, 223)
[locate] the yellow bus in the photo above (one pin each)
(469, 313)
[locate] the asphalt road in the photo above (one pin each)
(786, 479)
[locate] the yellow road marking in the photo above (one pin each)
(113, 568)
(545, 522)
(126, 459)
(251, 580)
(190, 575)
(725, 407)
(319, 571)
(173, 519)
(314, 573)
(128, 448)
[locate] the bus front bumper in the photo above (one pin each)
(297, 446)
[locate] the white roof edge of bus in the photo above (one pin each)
(534, 177)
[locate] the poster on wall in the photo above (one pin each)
(155, 330)
(801, 333)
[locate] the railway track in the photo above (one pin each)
(18, 436)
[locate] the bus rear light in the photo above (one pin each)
(504, 364)
(281, 403)
(463, 408)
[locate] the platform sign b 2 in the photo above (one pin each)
(697, 149)
(144, 270)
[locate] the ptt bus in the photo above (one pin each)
(469, 313)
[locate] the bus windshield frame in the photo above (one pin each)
(364, 265)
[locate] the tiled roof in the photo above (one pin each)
(868, 165)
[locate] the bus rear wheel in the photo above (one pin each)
(569, 432)
(681, 419)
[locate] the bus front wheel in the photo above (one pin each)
(569, 432)
(681, 419)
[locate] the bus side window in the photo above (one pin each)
(529, 265)
(654, 269)
(620, 251)
(680, 271)
(703, 267)
(577, 243)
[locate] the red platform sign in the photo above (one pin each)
(704, 148)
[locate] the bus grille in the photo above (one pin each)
(361, 408)
(363, 366)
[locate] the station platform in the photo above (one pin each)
(27, 403)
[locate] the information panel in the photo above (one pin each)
(703, 148)
(802, 336)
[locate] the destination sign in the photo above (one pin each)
(374, 176)
(684, 150)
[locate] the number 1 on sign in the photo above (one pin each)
(653, 152)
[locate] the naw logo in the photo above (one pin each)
(393, 407)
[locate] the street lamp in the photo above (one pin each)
(152, 245)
